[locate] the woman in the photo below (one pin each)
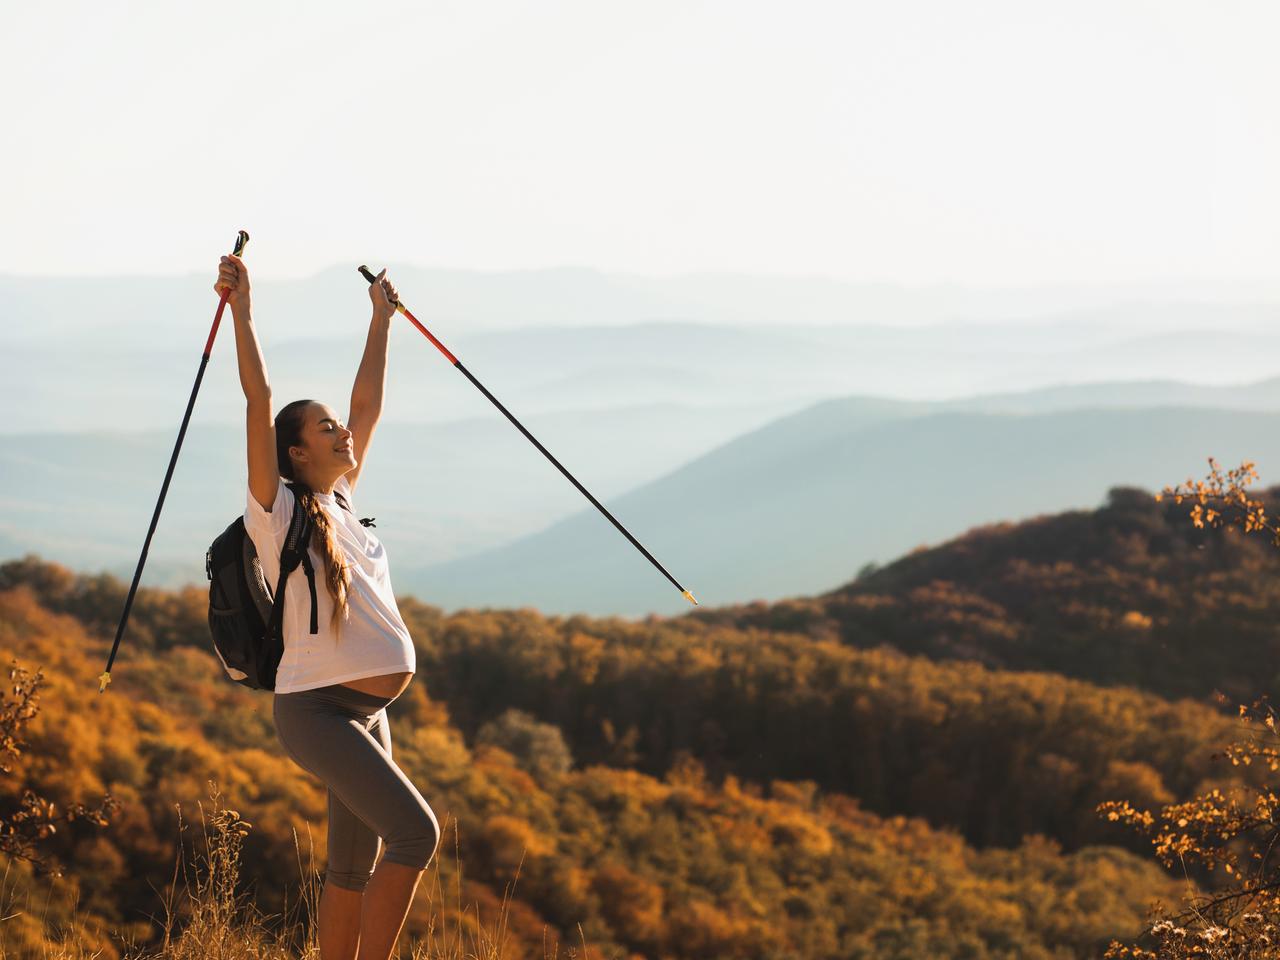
(333, 686)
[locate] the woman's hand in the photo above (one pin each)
(384, 296)
(233, 276)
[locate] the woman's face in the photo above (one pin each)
(325, 450)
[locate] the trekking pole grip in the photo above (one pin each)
(368, 275)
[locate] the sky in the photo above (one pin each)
(916, 142)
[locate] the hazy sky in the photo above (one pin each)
(982, 142)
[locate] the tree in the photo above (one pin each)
(1235, 828)
(539, 748)
(27, 820)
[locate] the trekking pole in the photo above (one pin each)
(105, 679)
(368, 275)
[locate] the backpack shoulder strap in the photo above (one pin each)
(292, 554)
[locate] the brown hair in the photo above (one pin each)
(337, 578)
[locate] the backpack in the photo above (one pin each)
(245, 614)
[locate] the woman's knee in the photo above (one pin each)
(414, 841)
(348, 879)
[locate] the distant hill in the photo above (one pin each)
(82, 351)
(1129, 593)
(1260, 395)
(747, 478)
(133, 309)
(440, 490)
(800, 505)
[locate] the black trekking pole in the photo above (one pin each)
(368, 275)
(105, 679)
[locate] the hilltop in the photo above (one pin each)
(1130, 593)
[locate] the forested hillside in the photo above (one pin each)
(676, 787)
(1131, 593)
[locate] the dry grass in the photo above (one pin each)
(206, 916)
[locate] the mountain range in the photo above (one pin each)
(737, 503)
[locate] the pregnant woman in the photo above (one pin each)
(333, 685)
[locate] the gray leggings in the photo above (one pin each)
(342, 736)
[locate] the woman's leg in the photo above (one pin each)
(353, 850)
(353, 847)
(386, 905)
(390, 892)
(338, 923)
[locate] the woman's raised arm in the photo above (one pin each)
(264, 472)
(367, 392)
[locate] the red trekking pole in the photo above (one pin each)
(105, 679)
(368, 275)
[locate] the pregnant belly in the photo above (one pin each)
(387, 685)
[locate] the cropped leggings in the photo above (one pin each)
(341, 736)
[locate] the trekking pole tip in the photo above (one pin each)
(688, 596)
(103, 681)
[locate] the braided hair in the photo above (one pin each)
(337, 578)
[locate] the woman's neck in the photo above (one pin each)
(317, 485)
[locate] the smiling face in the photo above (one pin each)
(323, 451)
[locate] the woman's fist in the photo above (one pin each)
(384, 296)
(233, 279)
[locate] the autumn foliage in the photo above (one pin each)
(897, 769)
(27, 819)
(1231, 831)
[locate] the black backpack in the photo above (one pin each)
(245, 614)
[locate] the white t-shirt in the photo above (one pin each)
(372, 641)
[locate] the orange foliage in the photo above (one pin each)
(688, 858)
